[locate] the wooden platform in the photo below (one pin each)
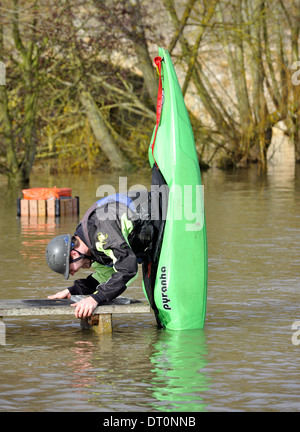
(101, 319)
(53, 207)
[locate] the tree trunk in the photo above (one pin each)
(295, 28)
(101, 132)
(11, 158)
(18, 171)
(141, 49)
(148, 70)
(235, 58)
(296, 122)
(219, 116)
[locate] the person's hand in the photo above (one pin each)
(60, 295)
(84, 308)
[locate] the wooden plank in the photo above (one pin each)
(41, 208)
(74, 206)
(24, 204)
(51, 207)
(100, 323)
(104, 324)
(39, 307)
(68, 206)
(33, 208)
(113, 307)
(62, 207)
(35, 307)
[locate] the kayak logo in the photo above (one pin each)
(164, 288)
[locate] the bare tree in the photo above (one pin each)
(21, 137)
(258, 57)
(80, 79)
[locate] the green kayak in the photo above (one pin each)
(179, 288)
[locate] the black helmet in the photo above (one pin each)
(58, 254)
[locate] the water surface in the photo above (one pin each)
(244, 359)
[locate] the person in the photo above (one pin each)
(116, 234)
(112, 238)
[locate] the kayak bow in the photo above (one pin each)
(180, 287)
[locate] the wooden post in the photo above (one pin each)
(51, 207)
(62, 207)
(33, 208)
(69, 206)
(66, 206)
(41, 208)
(104, 324)
(24, 207)
(101, 323)
(75, 206)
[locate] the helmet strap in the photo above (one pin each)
(81, 256)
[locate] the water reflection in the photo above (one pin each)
(35, 233)
(179, 382)
(253, 299)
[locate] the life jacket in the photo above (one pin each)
(151, 233)
(121, 198)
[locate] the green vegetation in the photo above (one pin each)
(81, 87)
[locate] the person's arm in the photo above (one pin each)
(83, 308)
(81, 286)
(85, 286)
(125, 270)
(111, 239)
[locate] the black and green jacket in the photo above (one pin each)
(118, 233)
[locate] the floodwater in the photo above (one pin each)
(246, 358)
